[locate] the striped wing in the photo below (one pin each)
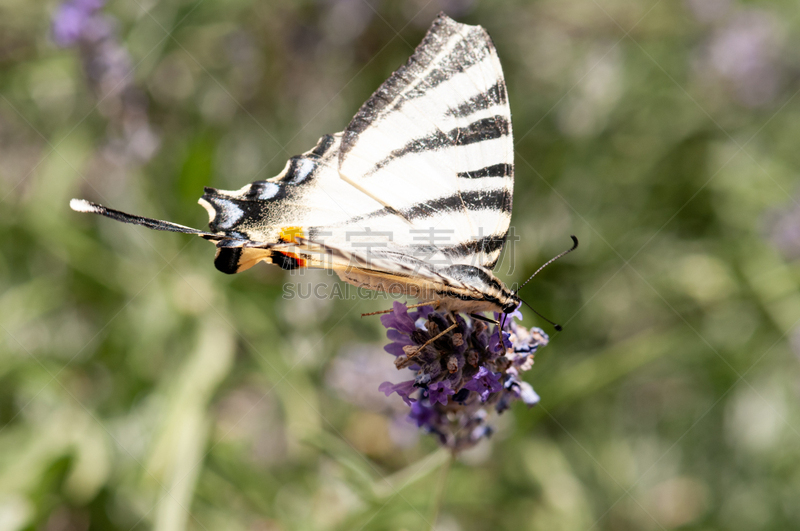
(419, 182)
(434, 144)
(424, 171)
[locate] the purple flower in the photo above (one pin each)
(399, 340)
(74, 20)
(744, 52)
(68, 25)
(508, 318)
(89, 5)
(439, 391)
(484, 383)
(462, 374)
(404, 389)
(422, 414)
(399, 319)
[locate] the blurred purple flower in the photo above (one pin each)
(75, 20)
(68, 25)
(352, 375)
(744, 51)
(351, 372)
(109, 72)
(783, 228)
(462, 374)
(421, 414)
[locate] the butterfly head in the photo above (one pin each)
(511, 303)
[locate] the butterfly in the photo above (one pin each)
(413, 197)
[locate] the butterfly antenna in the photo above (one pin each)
(574, 246)
(555, 325)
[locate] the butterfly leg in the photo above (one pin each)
(431, 340)
(435, 305)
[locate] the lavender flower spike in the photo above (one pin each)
(461, 376)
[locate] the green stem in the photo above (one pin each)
(441, 487)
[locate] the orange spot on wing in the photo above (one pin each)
(288, 234)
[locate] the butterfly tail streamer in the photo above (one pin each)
(82, 205)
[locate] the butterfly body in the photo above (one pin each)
(470, 289)
(413, 197)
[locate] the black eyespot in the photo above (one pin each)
(227, 259)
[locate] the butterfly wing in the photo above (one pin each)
(434, 145)
(266, 220)
(423, 171)
(421, 179)
(307, 216)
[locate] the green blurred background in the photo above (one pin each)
(141, 389)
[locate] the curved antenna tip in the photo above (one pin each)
(553, 324)
(574, 246)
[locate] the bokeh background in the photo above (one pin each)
(141, 389)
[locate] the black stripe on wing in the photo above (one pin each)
(487, 244)
(495, 95)
(465, 54)
(470, 50)
(478, 131)
(495, 170)
(496, 199)
(474, 200)
(490, 246)
(227, 259)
